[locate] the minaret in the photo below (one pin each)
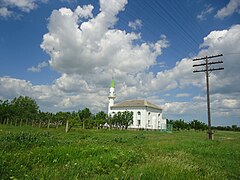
(111, 96)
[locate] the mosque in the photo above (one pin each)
(146, 115)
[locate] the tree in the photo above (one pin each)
(180, 124)
(25, 108)
(197, 125)
(101, 116)
(123, 119)
(61, 118)
(127, 118)
(84, 115)
(5, 111)
(71, 121)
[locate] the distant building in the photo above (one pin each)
(146, 115)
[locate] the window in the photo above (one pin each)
(138, 118)
(138, 122)
(149, 120)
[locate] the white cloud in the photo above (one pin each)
(137, 24)
(8, 7)
(225, 42)
(95, 47)
(11, 87)
(112, 7)
(66, 93)
(205, 12)
(39, 67)
(84, 12)
(183, 95)
(4, 12)
(23, 5)
(229, 9)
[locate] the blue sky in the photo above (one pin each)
(64, 54)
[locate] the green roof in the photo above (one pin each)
(112, 83)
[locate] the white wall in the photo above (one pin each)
(152, 121)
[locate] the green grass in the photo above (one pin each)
(33, 153)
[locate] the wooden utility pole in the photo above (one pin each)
(207, 69)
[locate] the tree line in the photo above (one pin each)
(198, 125)
(24, 110)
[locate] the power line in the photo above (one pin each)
(206, 69)
(162, 16)
(176, 22)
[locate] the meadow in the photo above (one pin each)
(33, 153)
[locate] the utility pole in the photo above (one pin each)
(207, 69)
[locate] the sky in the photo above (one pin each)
(64, 53)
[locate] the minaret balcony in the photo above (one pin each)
(113, 96)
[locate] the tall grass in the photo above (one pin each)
(32, 153)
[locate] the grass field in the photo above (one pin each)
(32, 153)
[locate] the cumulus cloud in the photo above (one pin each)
(39, 67)
(92, 47)
(137, 24)
(225, 42)
(229, 9)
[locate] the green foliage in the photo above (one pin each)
(101, 117)
(84, 114)
(197, 125)
(122, 119)
(25, 107)
(194, 124)
(18, 109)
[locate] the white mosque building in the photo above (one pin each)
(146, 115)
